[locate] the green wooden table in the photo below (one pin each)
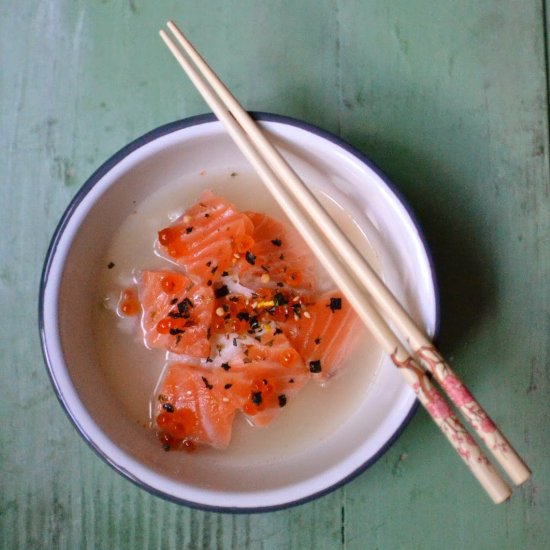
(449, 97)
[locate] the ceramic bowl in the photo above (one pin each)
(72, 267)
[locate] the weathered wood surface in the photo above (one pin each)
(449, 98)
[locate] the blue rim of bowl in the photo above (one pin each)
(93, 180)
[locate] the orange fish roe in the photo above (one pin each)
(128, 304)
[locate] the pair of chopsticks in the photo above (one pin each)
(372, 300)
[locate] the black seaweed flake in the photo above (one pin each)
(178, 339)
(297, 308)
(282, 400)
(214, 269)
(184, 305)
(235, 342)
(206, 383)
(278, 331)
(317, 340)
(168, 407)
(243, 316)
(176, 331)
(279, 299)
(209, 360)
(209, 263)
(265, 268)
(291, 381)
(173, 301)
(110, 265)
(226, 366)
(254, 323)
(315, 366)
(225, 273)
(277, 242)
(256, 397)
(221, 292)
(209, 282)
(282, 257)
(188, 229)
(280, 285)
(335, 303)
(250, 258)
(227, 386)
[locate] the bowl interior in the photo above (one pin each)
(78, 253)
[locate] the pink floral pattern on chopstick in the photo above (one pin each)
(463, 399)
(441, 412)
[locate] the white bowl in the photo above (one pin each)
(77, 252)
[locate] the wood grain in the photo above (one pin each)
(449, 98)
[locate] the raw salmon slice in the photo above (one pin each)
(192, 409)
(278, 257)
(207, 237)
(265, 371)
(323, 332)
(257, 376)
(176, 313)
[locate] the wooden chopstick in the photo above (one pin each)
(422, 348)
(248, 137)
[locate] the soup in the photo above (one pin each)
(135, 371)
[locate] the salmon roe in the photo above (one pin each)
(178, 424)
(171, 283)
(129, 304)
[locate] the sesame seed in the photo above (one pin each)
(220, 312)
(307, 314)
(265, 278)
(225, 399)
(236, 256)
(186, 219)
